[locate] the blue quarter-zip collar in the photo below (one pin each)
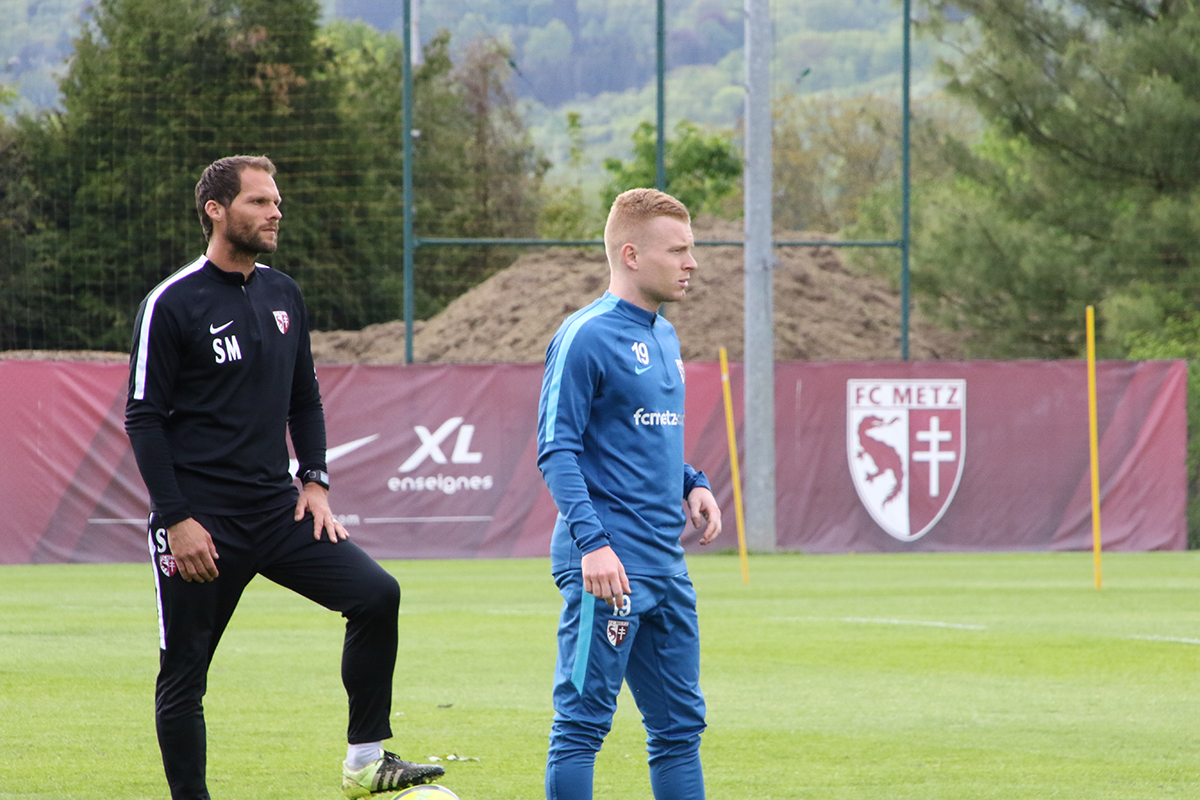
(635, 313)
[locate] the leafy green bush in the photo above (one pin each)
(1180, 338)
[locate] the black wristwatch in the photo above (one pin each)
(315, 476)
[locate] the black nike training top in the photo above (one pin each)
(221, 369)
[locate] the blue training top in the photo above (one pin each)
(610, 438)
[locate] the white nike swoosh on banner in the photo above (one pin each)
(334, 453)
(215, 329)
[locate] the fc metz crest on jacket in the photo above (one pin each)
(905, 441)
(281, 320)
(617, 628)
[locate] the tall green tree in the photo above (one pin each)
(1179, 337)
(25, 292)
(96, 201)
(1085, 188)
(476, 172)
(702, 168)
(157, 90)
(829, 155)
(566, 211)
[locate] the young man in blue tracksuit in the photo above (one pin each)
(610, 446)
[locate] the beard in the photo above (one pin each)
(248, 239)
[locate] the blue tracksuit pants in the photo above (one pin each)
(653, 643)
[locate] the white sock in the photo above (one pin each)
(359, 755)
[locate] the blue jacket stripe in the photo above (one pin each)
(583, 641)
(604, 305)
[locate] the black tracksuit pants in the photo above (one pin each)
(192, 616)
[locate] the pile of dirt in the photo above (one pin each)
(824, 311)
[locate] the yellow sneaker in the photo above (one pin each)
(386, 775)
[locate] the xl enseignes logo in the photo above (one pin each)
(431, 449)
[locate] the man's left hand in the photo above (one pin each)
(315, 498)
(702, 508)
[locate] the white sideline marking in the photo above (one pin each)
(959, 626)
(1177, 639)
(920, 623)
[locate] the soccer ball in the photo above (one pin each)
(429, 791)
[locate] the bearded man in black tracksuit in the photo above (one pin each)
(221, 371)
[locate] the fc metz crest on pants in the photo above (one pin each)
(906, 442)
(617, 628)
(281, 320)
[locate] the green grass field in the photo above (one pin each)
(915, 676)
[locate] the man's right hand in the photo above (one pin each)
(194, 551)
(604, 576)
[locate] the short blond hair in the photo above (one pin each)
(631, 211)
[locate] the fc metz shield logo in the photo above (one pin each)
(906, 441)
(617, 628)
(281, 320)
(166, 563)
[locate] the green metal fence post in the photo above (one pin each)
(660, 145)
(409, 243)
(906, 181)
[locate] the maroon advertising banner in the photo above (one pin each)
(439, 461)
(979, 456)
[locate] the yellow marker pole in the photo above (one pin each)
(1093, 440)
(733, 466)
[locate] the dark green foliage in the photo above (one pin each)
(702, 168)
(1180, 338)
(476, 172)
(566, 212)
(1085, 189)
(157, 91)
(96, 200)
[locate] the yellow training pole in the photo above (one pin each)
(1093, 440)
(733, 466)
